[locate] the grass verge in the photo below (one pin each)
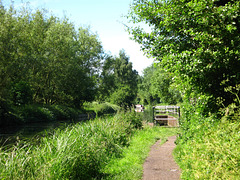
(130, 165)
(213, 155)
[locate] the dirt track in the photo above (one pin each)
(160, 164)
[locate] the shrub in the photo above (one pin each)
(35, 113)
(21, 93)
(211, 155)
(7, 115)
(102, 108)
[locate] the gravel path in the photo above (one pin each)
(160, 164)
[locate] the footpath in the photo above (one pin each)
(160, 164)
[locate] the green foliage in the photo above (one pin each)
(77, 152)
(36, 113)
(198, 41)
(6, 117)
(144, 94)
(102, 108)
(147, 114)
(208, 146)
(212, 152)
(32, 113)
(134, 119)
(158, 86)
(44, 59)
(21, 93)
(118, 81)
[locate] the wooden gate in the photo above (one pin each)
(166, 115)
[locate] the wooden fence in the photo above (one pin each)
(166, 115)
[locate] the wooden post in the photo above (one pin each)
(154, 115)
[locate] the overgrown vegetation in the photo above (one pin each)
(208, 147)
(102, 108)
(197, 43)
(211, 153)
(118, 81)
(77, 152)
(157, 86)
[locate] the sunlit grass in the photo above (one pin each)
(110, 148)
(77, 152)
(213, 155)
(130, 165)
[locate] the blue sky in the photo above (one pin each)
(104, 18)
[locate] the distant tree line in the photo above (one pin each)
(47, 60)
(157, 86)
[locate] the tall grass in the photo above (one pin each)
(213, 155)
(77, 152)
(208, 148)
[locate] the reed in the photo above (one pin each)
(77, 152)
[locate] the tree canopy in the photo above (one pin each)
(118, 80)
(46, 59)
(198, 41)
(157, 86)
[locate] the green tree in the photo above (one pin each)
(106, 79)
(80, 81)
(47, 58)
(118, 80)
(157, 86)
(197, 40)
(144, 93)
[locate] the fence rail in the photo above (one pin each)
(161, 115)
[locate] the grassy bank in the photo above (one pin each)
(31, 113)
(109, 148)
(208, 148)
(213, 154)
(38, 113)
(77, 152)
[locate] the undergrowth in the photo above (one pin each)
(32, 113)
(101, 109)
(208, 147)
(77, 152)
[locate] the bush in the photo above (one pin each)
(35, 113)
(44, 113)
(7, 117)
(64, 113)
(21, 93)
(102, 108)
(135, 119)
(213, 154)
